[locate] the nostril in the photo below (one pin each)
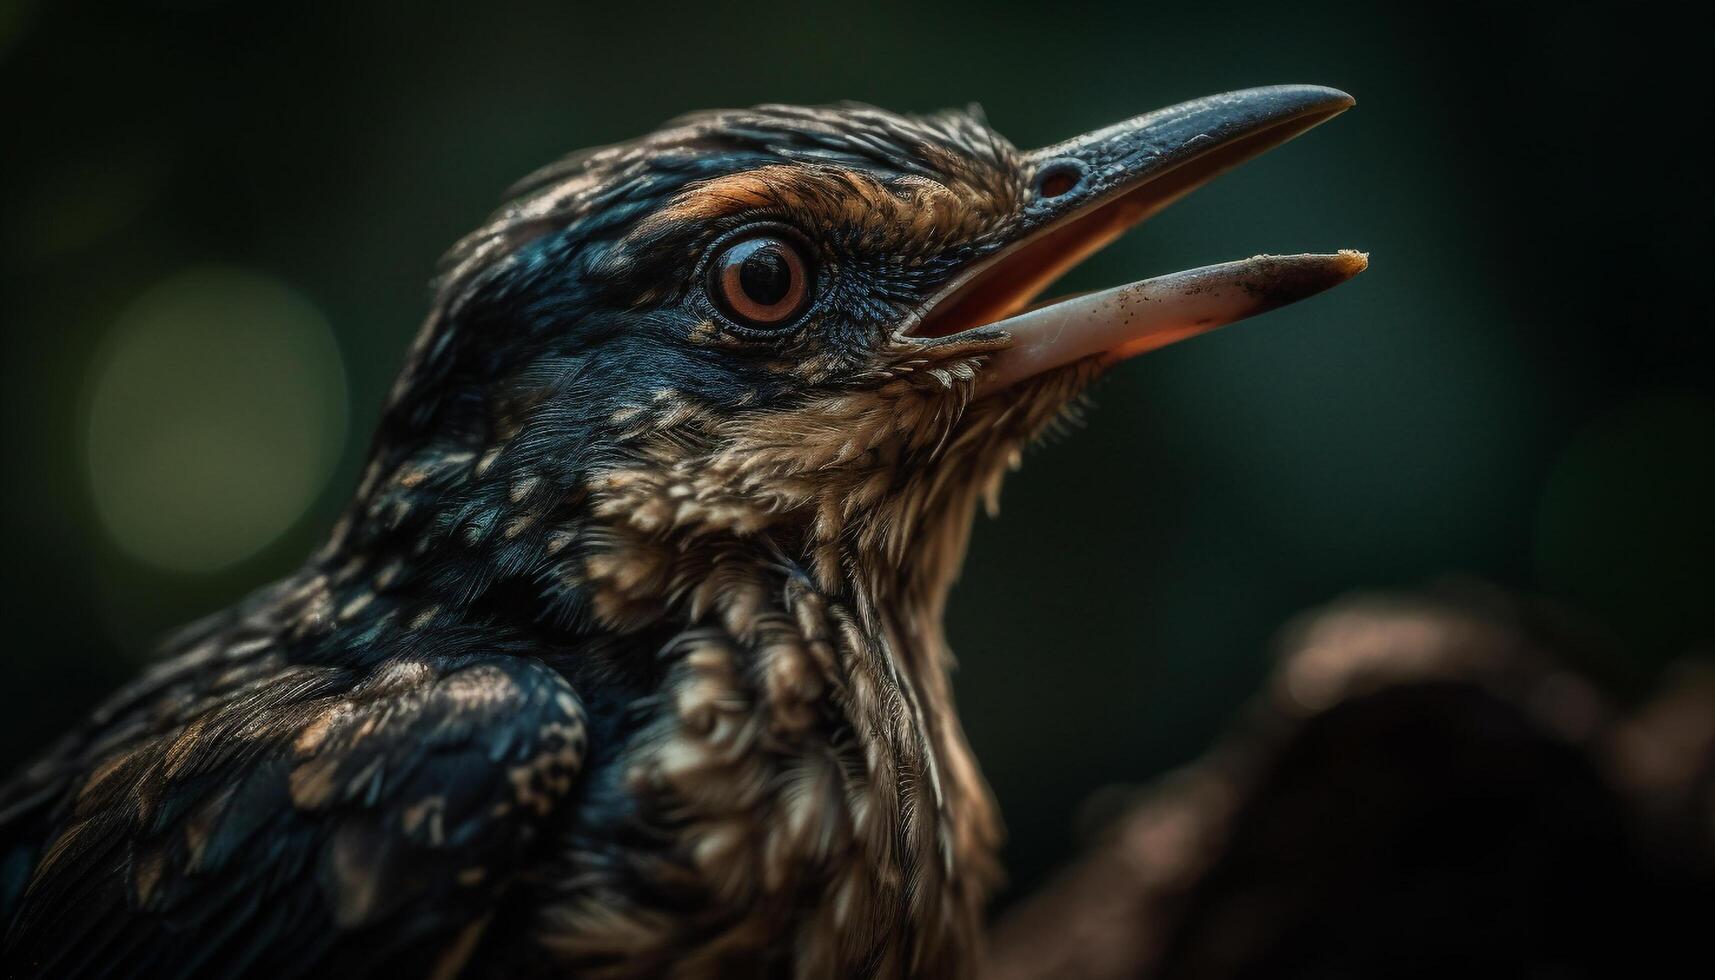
(1058, 178)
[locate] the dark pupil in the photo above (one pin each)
(765, 277)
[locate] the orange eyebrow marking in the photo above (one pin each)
(721, 196)
(912, 208)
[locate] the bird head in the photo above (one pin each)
(807, 334)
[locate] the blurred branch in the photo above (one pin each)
(1422, 787)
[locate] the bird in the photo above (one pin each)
(627, 657)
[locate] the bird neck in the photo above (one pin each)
(865, 498)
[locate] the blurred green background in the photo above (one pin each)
(217, 222)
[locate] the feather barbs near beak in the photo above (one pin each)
(1090, 190)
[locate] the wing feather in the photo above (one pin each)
(312, 821)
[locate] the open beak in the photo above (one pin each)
(1088, 191)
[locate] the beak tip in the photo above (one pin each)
(1315, 104)
(1324, 95)
(1280, 280)
(1349, 262)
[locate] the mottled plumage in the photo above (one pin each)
(626, 659)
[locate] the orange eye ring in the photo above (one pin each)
(761, 282)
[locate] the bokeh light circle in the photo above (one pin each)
(216, 413)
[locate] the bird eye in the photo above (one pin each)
(761, 282)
